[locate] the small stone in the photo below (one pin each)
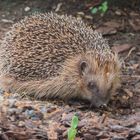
(81, 13)
(29, 113)
(137, 129)
(7, 21)
(26, 9)
(21, 123)
(43, 109)
(88, 17)
(1, 98)
(118, 13)
(125, 97)
(12, 103)
(79, 17)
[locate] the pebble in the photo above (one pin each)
(12, 103)
(118, 13)
(81, 13)
(79, 17)
(26, 9)
(7, 21)
(21, 123)
(125, 97)
(137, 129)
(88, 17)
(43, 109)
(1, 98)
(29, 113)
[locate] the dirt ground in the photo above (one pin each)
(28, 119)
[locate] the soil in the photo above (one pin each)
(26, 118)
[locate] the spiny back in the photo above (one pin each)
(37, 46)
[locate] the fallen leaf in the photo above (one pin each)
(112, 24)
(135, 66)
(121, 48)
(107, 30)
(135, 24)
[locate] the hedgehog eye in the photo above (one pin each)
(92, 86)
(83, 67)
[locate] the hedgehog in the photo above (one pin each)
(51, 56)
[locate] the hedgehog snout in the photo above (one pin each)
(99, 97)
(99, 102)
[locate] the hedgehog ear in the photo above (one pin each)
(83, 67)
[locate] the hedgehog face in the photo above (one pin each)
(97, 83)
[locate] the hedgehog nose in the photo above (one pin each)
(103, 106)
(98, 102)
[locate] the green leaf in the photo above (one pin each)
(74, 122)
(104, 3)
(94, 10)
(71, 133)
(100, 8)
(104, 6)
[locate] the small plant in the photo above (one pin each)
(102, 8)
(72, 131)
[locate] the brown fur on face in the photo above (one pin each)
(97, 77)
